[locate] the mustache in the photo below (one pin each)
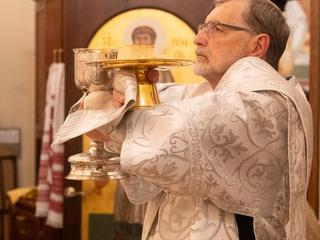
(201, 52)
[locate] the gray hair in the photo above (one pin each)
(263, 16)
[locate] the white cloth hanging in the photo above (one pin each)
(50, 180)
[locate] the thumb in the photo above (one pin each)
(153, 76)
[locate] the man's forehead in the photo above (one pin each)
(230, 10)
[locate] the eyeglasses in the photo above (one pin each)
(211, 27)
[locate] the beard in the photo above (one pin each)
(206, 69)
(211, 68)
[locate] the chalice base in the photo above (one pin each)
(86, 167)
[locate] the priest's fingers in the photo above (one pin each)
(123, 78)
(96, 135)
(118, 99)
(153, 76)
(81, 104)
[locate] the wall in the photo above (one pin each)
(17, 79)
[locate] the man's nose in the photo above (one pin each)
(201, 39)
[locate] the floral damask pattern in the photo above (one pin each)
(223, 152)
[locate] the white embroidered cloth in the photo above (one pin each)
(49, 202)
(81, 121)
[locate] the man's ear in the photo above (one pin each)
(260, 45)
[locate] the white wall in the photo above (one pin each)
(17, 79)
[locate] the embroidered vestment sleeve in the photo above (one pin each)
(229, 147)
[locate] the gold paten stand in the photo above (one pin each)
(147, 95)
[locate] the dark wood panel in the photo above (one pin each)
(48, 37)
(313, 193)
(40, 77)
(54, 31)
(40, 64)
(72, 206)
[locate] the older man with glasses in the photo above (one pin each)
(229, 158)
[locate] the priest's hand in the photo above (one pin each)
(97, 135)
(118, 92)
(122, 79)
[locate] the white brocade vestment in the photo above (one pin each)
(244, 148)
